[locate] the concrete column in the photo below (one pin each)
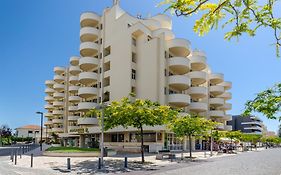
(82, 141)
(76, 142)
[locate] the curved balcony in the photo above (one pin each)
(58, 104)
(88, 63)
(179, 47)
(74, 61)
(73, 118)
(179, 82)
(89, 49)
(216, 78)
(49, 91)
(220, 126)
(227, 106)
(216, 90)
(59, 87)
(87, 78)
(58, 95)
(152, 24)
(168, 34)
(227, 85)
(57, 121)
(57, 130)
(74, 70)
(89, 19)
(197, 92)
(87, 92)
(85, 106)
(47, 123)
(216, 102)
(49, 99)
(227, 117)
(57, 112)
(198, 61)
(73, 80)
(89, 34)
(59, 70)
(179, 65)
(179, 100)
(87, 121)
(72, 108)
(58, 78)
(74, 99)
(198, 107)
(197, 77)
(48, 106)
(73, 129)
(258, 128)
(226, 95)
(73, 89)
(217, 114)
(49, 83)
(49, 114)
(165, 21)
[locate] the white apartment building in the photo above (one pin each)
(120, 54)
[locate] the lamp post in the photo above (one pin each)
(41, 113)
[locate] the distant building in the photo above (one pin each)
(246, 124)
(270, 133)
(33, 131)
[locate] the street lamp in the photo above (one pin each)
(41, 113)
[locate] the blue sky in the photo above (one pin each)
(37, 35)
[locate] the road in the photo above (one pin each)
(267, 162)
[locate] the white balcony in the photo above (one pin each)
(227, 106)
(228, 127)
(49, 114)
(74, 70)
(216, 78)
(49, 99)
(220, 126)
(165, 21)
(59, 87)
(152, 24)
(226, 84)
(168, 34)
(197, 92)
(252, 123)
(59, 70)
(198, 107)
(216, 90)
(58, 78)
(89, 19)
(57, 130)
(73, 80)
(47, 123)
(87, 78)
(179, 65)
(226, 95)
(88, 63)
(72, 108)
(88, 121)
(89, 49)
(74, 99)
(179, 82)
(85, 106)
(254, 128)
(216, 102)
(198, 61)
(197, 77)
(73, 89)
(73, 118)
(58, 104)
(179, 100)
(49, 83)
(87, 92)
(57, 121)
(57, 112)
(217, 114)
(227, 117)
(74, 61)
(179, 47)
(48, 106)
(89, 34)
(58, 95)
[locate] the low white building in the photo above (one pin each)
(33, 131)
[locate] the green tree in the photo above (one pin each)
(267, 102)
(232, 135)
(191, 126)
(242, 16)
(135, 113)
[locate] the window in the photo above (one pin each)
(134, 41)
(133, 90)
(101, 26)
(133, 74)
(107, 51)
(134, 57)
(165, 72)
(129, 25)
(149, 38)
(101, 41)
(165, 90)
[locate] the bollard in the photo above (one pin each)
(16, 156)
(31, 163)
(68, 164)
(99, 163)
(20, 152)
(205, 154)
(11, 157)
(126, 162)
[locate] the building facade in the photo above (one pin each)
(31, 131)
(247, 124)
(120, 54)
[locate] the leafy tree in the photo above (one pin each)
(242, 16)
(191, 126)
(232, 135)
(267, 102)
(279, 131)
(252, 138)
(5, 134)
(135, 113)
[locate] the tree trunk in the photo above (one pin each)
(142, 146)
(190, 149)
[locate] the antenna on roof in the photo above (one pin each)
(116, 2)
